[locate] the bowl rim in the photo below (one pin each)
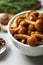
(8, 26)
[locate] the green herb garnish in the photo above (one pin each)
(15, 6)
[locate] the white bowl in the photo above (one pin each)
(3, 48)
(26, 49)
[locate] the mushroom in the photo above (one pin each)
(32, 18)
(19, 29)
(22, 30)
(32, 15)
(17, 21)
(31, 27)
(23, 23)
(3, 28)
(4, 18)
(40, 16)
(13, 30)
(31, 40)
(39, 35)
(38, 24)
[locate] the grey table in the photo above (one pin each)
(12, 56)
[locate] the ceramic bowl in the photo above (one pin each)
(26, 49)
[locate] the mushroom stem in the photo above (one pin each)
(14, 30)
(39, 35)
(21, 36)
(38, 24)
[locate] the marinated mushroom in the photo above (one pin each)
(31, 27)
(32, 40)
(38, 24)
(22, 30)
(40, 16)
(32, 18)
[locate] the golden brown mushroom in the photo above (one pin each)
(17, 21)
(31, 27)
(38, 24)
(40, 16)
(31, 40)
(19, 29)
(22, 30)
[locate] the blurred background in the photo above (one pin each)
(15, 6)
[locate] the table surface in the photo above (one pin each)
(12, 56)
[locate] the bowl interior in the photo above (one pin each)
(8, 27)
